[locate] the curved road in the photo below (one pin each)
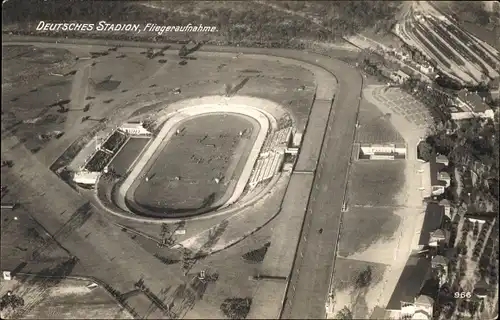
(314, 262)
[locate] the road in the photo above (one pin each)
(314, 263)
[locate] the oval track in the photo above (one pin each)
(310, 276)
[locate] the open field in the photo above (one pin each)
(363, 227)
(65, 299)
(114, 92)
(127, 155)
(357, 280)
(207, 148)
(366, 180)
(375, 127)
(22, 236)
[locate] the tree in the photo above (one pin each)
(344, 314)
(228, 89)
(364, 278)
(236, 308)
(183, 51)
(425, 150)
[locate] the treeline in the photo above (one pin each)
(475, 141)
(344, 18)
(238, 22)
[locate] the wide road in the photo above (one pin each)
(313, 266)
(310, 279)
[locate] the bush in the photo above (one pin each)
(236, 308)
(344, 314)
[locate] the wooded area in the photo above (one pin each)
(244, 23)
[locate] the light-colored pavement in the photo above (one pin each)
(412, 214)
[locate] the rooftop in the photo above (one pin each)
(435, 169)
(473, 100)
(411, 281)
(486, 216)
(441, 158)
(440, 260)
(434, 214)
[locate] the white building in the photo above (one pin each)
(383, 151)
(134, 129)
(86, 177)
(426, 69)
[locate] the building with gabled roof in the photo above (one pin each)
(470, 105)
(433, 219)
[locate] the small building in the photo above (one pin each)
(480, 217)
(439, 262)
(433, 219)
(399, 76)
(494, 86)
(297, 139)
(86, 177)
(481, 289)
(383, 151)
(426, 69)
(471, 105)
(134, 129)
(447, 207)
(440, 179)
(402, 303)
(440, 158)
(439, 237)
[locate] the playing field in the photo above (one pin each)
(195, 168)
(127, 155)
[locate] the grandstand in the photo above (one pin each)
(271, 157)
(279, 140)
(100, 155)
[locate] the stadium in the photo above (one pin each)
(193, 157)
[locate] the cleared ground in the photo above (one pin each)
(375, 182)
(355, 280)
(22, 236)
(183, 176)
(127, 155)
(362, 227)
(66, 299)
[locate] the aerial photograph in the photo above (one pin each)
(251, 159)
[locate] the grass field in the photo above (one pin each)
(368, 177)
(22, 236)
(28, 91)
(127, 155)
(183, 175)
(362, 227)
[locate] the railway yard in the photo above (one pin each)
(456, 52)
